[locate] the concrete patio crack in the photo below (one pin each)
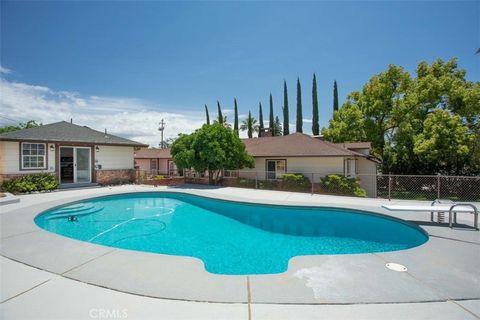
(88, 261)
(459, 305)
(19, 234)
(446, 238)
(19, 294)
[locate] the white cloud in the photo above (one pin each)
(131, 118)
(4, 70)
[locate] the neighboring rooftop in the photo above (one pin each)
(153, 153)
(67, 132)
(355, 145)
(295, 145)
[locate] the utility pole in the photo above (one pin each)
(161, 128)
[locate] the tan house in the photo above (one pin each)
(75, 154)
(296, 153)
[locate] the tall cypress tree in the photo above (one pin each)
(260, 117)
(271, 121)
(277, 127)
(335, 96)
(315, 125)
(299, 107)
(206, 113)
(220, 115)
(235, 124)
(286, 126)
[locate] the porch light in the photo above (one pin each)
(97, 148)
(52, 147)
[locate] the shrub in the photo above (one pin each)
(338, 184)
(295, 180)
(158, 177)
(30, 183)
(116, 182)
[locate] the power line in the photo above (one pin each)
(10, 119)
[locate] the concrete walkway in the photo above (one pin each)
(29, 293)
(443, 278)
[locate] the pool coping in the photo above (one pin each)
(327, 279)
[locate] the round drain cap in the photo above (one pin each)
(396, 267)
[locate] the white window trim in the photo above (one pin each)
(45, 166)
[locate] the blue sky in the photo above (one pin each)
(173, 57)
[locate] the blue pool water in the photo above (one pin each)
(229, 237)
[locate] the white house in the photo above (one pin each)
(75, 154)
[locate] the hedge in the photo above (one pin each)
(30, 183)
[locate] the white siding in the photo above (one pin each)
(321, 166)
(10, 158)
(367, 171)
(114, 157)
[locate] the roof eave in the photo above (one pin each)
(72, 141)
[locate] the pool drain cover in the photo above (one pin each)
(396, 267)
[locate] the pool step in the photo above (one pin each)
(75, 209)
(88, 211)
(72, 207)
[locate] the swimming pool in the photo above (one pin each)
(229, 237)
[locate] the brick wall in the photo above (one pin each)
(164, 182)
(114, 176)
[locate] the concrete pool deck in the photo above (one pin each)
(443, 274)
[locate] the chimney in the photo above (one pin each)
(265, 132)
(71, 120)
(106, 136)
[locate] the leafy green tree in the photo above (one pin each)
(299, 107)
(207, 115)
(235, 122)
(212, 148)
(315, 124)
(347, 125)
(444, 144)
(271, 116)
(250, 125)
(260, 117)
(22, 125)
(182, 151)
(277, 127)
(286, 120)
(220, 118)
(335, 96)
(405, 116)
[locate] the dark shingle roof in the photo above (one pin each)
(68, 132)
(295, 145)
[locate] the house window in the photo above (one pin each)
(33, 156)
(350, 167)
(153, 164)
(275, 169)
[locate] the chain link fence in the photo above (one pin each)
(386, 186)
(428, 187)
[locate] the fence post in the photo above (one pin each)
(389, 187)
(256, 180)
(313, 176)
(438, 186)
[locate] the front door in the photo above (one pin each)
(172, 168)
(75, 165)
